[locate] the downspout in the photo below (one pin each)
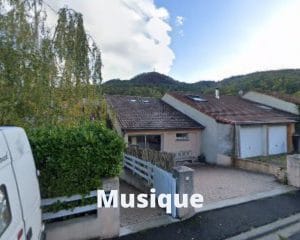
(236, 144)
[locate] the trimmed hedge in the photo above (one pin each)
(72, 160)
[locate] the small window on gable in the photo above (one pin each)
(182, 136)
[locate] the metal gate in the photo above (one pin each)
(164, 182)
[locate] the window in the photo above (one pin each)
(154, 142)
(146, 141)
(5, 214)
(182, 136)
(197, 98)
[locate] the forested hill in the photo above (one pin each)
(156, 84)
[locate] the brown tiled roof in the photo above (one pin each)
(234, 109)
(285, 97)
(144, 113)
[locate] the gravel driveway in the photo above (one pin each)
(214, 183)
(220, 183)
(131, 216)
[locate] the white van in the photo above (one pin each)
(20, 201)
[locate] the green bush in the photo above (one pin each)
(72, 160)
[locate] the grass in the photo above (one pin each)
(279, 160)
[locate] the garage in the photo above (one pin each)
(251, 141)
(262, 140)
(277, 138)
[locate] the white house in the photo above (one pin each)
(236, 127)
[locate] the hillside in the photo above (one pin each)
(156, 84)
(285, 81)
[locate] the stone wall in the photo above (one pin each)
(261, 167)
(293, 170)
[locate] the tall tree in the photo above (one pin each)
(44, 77)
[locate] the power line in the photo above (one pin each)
(89, 35)
(49, 6)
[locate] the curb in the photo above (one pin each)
(240, 200)
(284, 227)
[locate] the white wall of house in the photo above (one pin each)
(169, 141)
(216, 138)
(272, 102)
(172, 144)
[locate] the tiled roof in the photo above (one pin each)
(234, 109)
(144, 113)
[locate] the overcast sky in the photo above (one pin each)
(191, 40)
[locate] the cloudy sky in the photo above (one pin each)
(191, 40)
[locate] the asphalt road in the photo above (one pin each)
(295, 237)
(226, 222)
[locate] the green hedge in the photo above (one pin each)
(72, 160)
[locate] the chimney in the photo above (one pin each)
(217, 93)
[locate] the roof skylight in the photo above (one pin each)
(264, 107)
(197, 98)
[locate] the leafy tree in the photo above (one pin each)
(46, 77)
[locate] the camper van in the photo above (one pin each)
(20, 201)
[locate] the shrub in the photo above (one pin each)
(72, 160)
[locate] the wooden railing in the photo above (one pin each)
(164, 160)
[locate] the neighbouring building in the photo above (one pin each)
(151, 123)
(276, 100)
(236, 127)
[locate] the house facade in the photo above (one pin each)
(236, 127)
(151, 123)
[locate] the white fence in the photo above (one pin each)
(139, 167)
(47, 216)
(76, 224)
(161, 180)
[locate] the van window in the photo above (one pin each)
(5, 213)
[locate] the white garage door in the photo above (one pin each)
(251, 141)
(277, 139)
